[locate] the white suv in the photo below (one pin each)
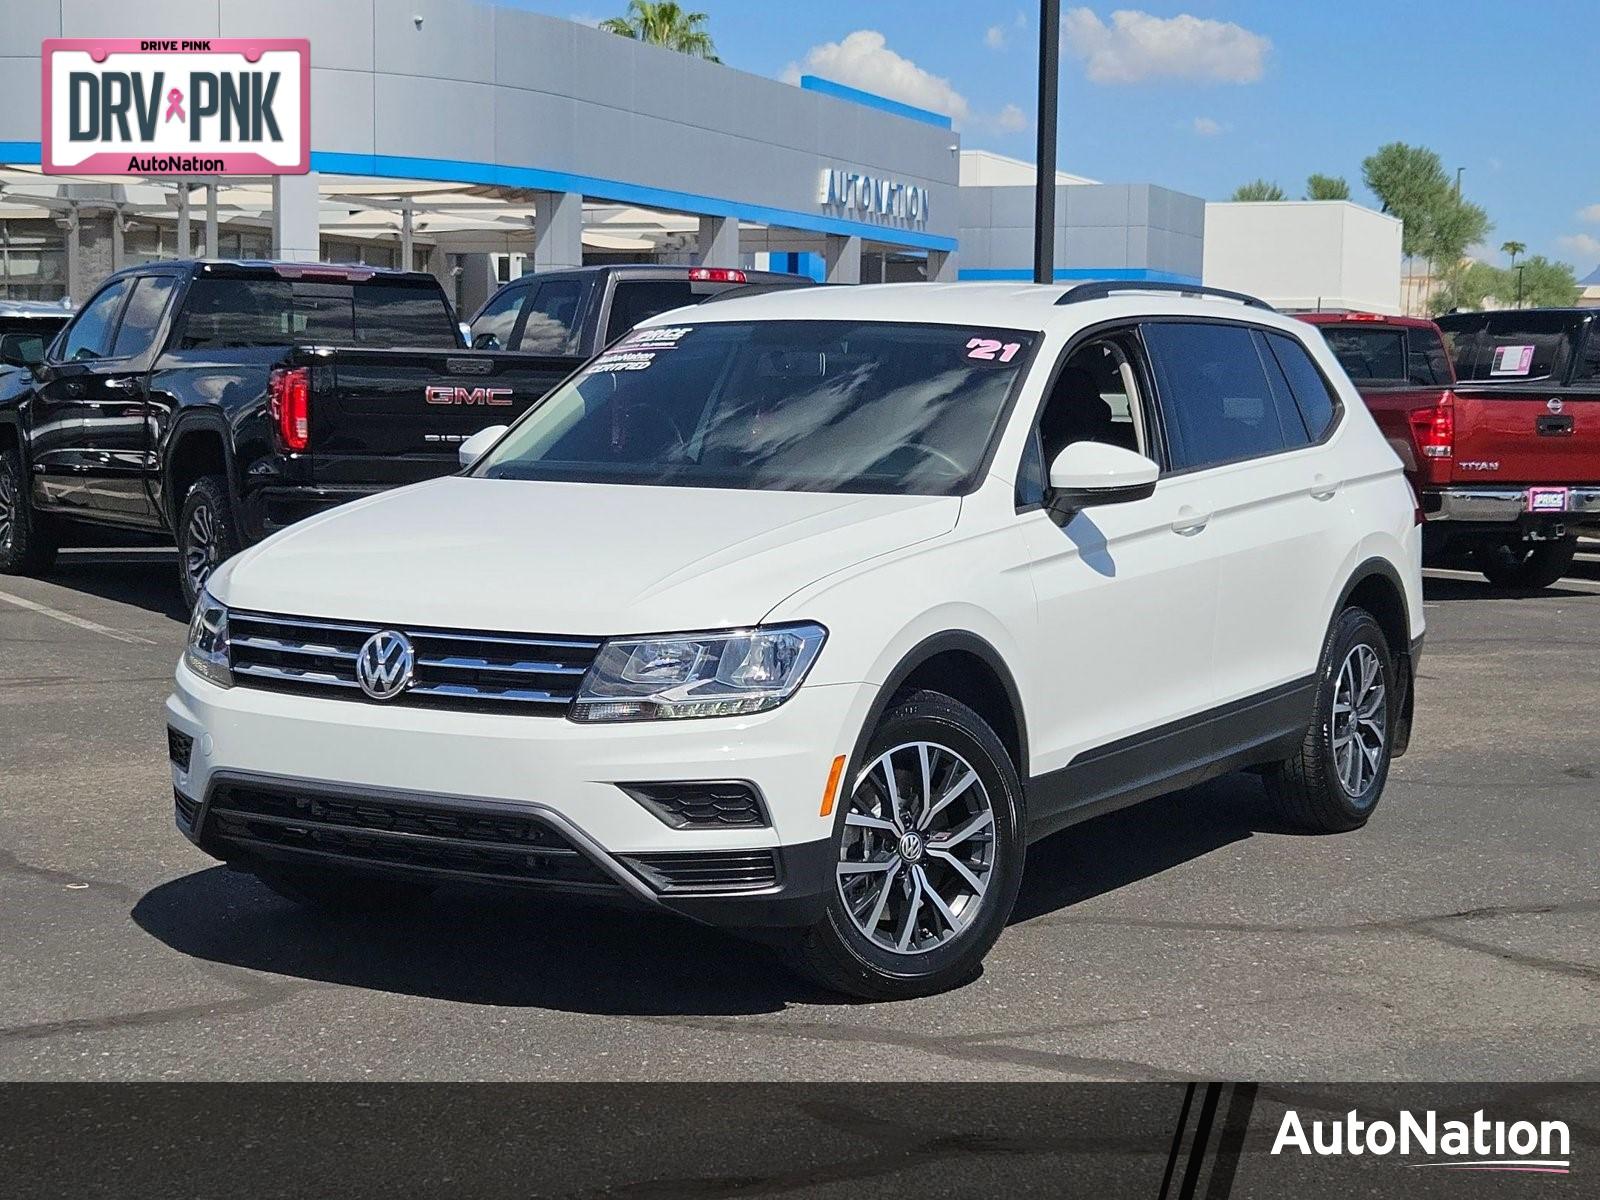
(808, 611)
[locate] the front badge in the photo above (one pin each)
(384, 664)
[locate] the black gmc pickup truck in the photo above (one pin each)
(216, 402)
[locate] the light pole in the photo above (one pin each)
(1458, 181)
(1044, 183)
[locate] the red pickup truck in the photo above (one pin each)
(1496, 417)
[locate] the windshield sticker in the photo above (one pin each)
(1511, 360)
(992, 349)
(638, 350)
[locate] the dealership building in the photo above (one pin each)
(479, 141)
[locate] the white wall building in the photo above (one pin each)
(1305, 253)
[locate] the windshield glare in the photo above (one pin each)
(783, 405)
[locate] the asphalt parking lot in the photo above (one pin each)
(1457, 937)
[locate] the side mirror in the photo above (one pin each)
(21, 349)
(471, 450)
(1089, 473)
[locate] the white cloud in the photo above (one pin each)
(1137, 46)
(1206, 127)
(1590, 213)
(863, 60)
(997, 36)
(1009, 119)
(1584, 245)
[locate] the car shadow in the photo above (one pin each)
(1447, 588)
(145, 578)
(1123, 847)
(515, 950)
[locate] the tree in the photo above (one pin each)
(663, 23)
(1545, 284)
(1258, 189)
(1411, 183)
(1327, 187)
(1513, 249)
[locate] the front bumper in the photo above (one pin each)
(1508, 506)
(517, 800)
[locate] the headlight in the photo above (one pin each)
(697, 674)
(207, 652)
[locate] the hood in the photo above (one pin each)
(518, 555)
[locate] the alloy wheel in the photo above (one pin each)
(918, 851)
(1360, 720)
(8, 508)
(200, 547)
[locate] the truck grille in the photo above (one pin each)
(484, 844)
(492, 672)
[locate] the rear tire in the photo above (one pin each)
(922, 888)
(1335, 780)
(333, 892)
(207, 535)
(28, 540)
(1526, 564)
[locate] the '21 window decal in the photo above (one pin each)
(992, 349)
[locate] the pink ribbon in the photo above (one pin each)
(175, 105)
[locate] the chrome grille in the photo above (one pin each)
(496, 672)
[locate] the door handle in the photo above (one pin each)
(120, 384)
(1322, 488)
(1189, 521)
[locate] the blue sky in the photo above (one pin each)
(1203, 96)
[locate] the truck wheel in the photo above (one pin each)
(929, 857)
(27, 538)
(332, 892)
(1334, 781)
(207, 535)
(1526, 564)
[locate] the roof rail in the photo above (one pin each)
(1102, 289)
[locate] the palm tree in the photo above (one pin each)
(664, 24)
(1513, 249)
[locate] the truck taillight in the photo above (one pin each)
(1434, 431)
(289, 400)
(716, 275)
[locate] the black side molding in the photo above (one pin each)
(1245, 733)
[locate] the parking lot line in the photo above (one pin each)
(80, 622)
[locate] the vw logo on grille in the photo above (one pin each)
(384, 664)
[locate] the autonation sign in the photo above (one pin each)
(873, 195)
(207, 106)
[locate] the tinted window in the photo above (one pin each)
(142, 316)
(1460, 331)
(1215, 396)
(1522, 345)
(1310, 390)
(1426, 362)
(492, 329)
(1366, 352)
(220, 313)
(552, 316)
(831, 406)
(91, 332)
(1589, 364)
(638, 300)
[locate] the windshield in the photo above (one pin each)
(830, 406)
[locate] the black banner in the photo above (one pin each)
(661, 1141)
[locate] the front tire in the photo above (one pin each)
(207, 535)
(28, 540)
(1333, 783)
(1526, 564)
(929, 850)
